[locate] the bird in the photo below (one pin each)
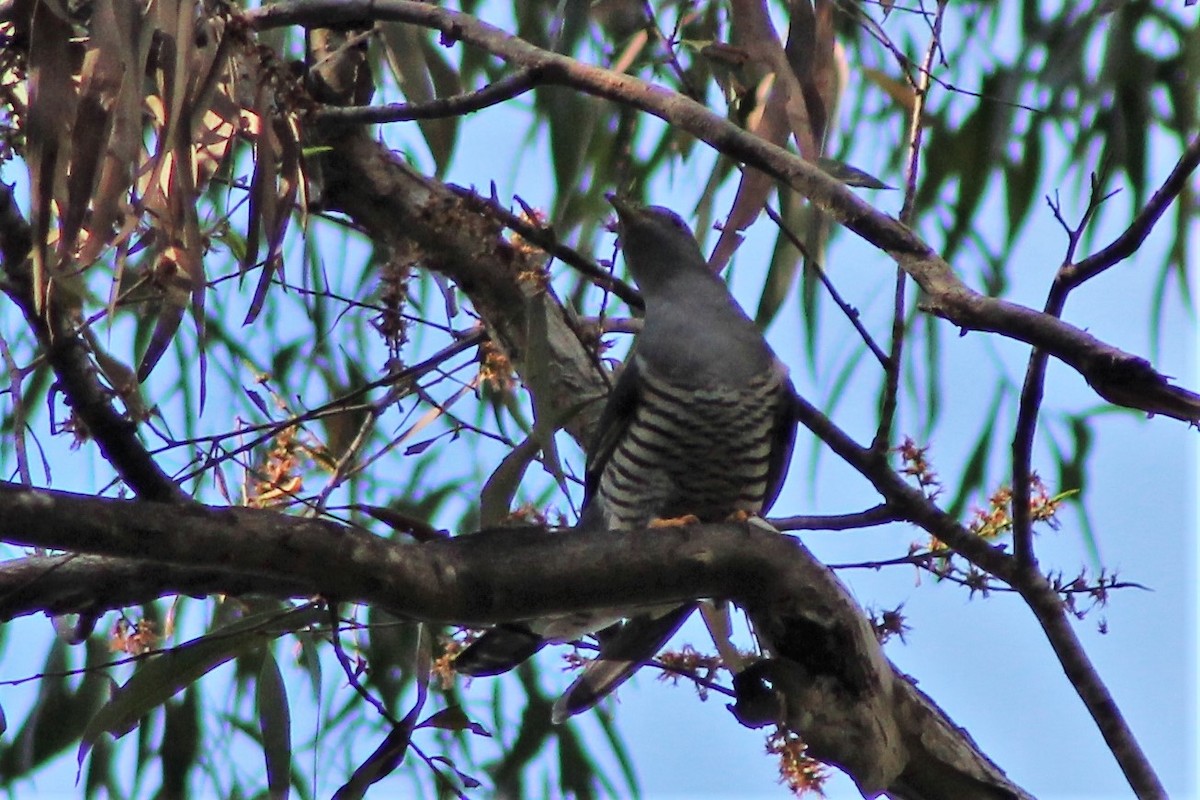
(699, 427)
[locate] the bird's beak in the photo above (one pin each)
(625, 208)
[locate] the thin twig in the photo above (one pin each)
(669, 43)
(850, 311)
(457, 105)
(348, 668)
(876, 515)
(336, 406)
(1143, 223)
(1033, 388)
(889, 396)
(15, 376)
(544, 237)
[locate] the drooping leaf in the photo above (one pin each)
(785, 261)
(421, 73)
(974, 472)
(275, 723)
(181, 738)
(1021, 180)
(165, 675)
(850, 175)
(453, 718)
(495, 500)
(59, 712)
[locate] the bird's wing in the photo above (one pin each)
(614, 421)
(498, 650)
(783, 439)
(505, 646)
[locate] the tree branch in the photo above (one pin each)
(1125, 245)
(504, 89)
(876, 515)
(889, 393)
(92, 585)
(1036, 590)
(396, 205)
(390, 196)
(1117, 376)
(853, 708)
(545, 238)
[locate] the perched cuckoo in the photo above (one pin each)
(699, 425)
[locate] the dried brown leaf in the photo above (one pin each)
(51, 100)
(171, 276)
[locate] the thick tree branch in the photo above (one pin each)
(1119, 377)
(92, 585)
(850, 704)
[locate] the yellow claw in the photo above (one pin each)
(675, 522)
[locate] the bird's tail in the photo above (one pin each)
(498, 650)
(638, 641)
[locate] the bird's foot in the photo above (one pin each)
(675, 522)
(754, 519)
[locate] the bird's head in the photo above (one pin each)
(657, 243)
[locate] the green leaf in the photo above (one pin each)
(310, 661)
(785, 261)
(850, 175)
(100, 781)
(407, 50)
(972, 160)
(453, 718)
(576, 770)
(180, 742)
(1072, 476)
(391, 642)
(496, 497)
(59, 712)
(1021, 180)
(447, 82)
(275, 723)
(162, 677)
(975, 471)
(572, 118)
(619, 749)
